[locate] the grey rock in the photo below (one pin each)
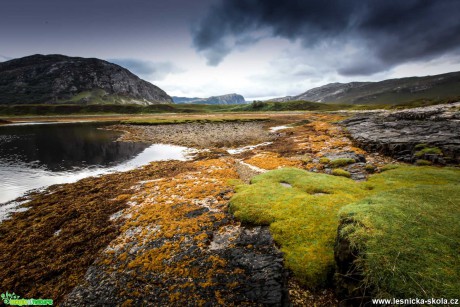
(397, 133)
(262, 277)
(59, 79)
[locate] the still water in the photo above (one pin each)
(38, 155)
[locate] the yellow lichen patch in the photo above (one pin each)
(65, 229)
(319, 135)
(168, 232)
(270, 160)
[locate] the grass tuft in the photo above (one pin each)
(304, 221)
(341, 162)
(389, 167)
(370, 168)
(422, 162)
(407, 241)
(428, 150)
(341, 172)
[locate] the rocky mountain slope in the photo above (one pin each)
(62, 79)
(391, 91)
(223, 99)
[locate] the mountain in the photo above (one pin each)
(223, 99)
(184, 99)
(391, 91)
(62, 79)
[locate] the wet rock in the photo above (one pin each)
(357, 171)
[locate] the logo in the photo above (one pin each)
(15, 300)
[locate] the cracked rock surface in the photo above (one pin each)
(398, 133)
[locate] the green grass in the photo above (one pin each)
(370, 168)
(389, 167)
(341, 172)
(422, 162)
(189, 120)
(97, 102)
(408, 241)
(341, 162)
(304, 219)
(428, 150)
(82, 109)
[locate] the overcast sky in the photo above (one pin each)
(257, 48)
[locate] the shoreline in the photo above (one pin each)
(63, 206)
(164, 233)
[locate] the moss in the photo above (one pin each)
(428, 150)
(370, 168)
(341, 162)
(422, 162)
(324, 160)
(301, 219)
(306, 159)
(341, 172)
(389, 167)
(304, 222)
(407, 239)
(421, 146)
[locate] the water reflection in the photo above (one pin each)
(36, 156)
(62, 147)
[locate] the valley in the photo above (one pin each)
(235, 224)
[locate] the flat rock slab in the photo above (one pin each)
(397, 133)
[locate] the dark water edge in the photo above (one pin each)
(39, 155)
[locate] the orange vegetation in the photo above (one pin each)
(270, 160)
(176, 214)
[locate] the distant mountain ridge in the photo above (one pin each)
(62, 79)
(223, 99)
(391, 91)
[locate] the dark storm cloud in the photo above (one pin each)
(387, 32)
(146, 69)
(95, 27)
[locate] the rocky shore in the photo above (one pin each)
(198, 135)
(179, 246)
(163, 235)
(413, 136)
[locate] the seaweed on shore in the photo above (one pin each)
(47, 249)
